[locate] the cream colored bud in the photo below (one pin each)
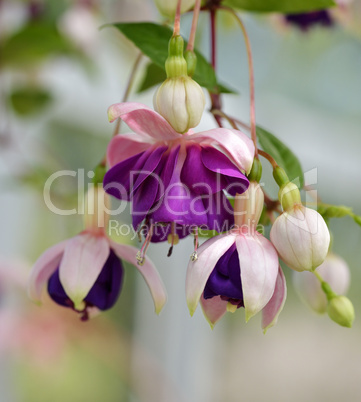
(97, 208)
(168, 7)
(181, 102)
(301, 237)
(248, 206)
(334, 271)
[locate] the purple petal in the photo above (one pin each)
(104, 292)
(235, 144)
(199, 271)
(125, 178)
(225, 279)
(305, 21)
(219, 212)
(232, 180)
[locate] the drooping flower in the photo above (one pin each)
(299, 234)
(334, 271)
(305, 21)
(238, 269)
(85, 272)
(173, 179)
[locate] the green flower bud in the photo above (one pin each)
(289, 196)
(340, 309)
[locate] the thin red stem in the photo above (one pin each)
(192, 35)
(251, 78)
(176, 29)
(213, 38)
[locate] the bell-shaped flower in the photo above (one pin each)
(85, 272)
(238, 269)
(299, 234)
(175, 179)
(334, 271)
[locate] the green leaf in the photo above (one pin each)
(33, 43)
(280, 6)
(154, 75)
(152, 39)
(282, 154)
(29, 100)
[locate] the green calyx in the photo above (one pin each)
(176, 65)
(191, 60)
(256, 172)
(340, 309)
(280, 176)
(99, 173)
(289, 196)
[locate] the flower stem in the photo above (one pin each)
(192, 35)
(176, 29)
(128, 88)
(213, 37)
(251, 77)
(268, 157)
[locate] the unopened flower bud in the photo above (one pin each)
(97, 208)
(180, 100)
(289, 196)
(334, 271)
(301, 238)
(248, 206)
(168, 7)
(340, 309)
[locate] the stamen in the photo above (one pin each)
(173, 239)
(141, 254)
(194, 255)
(231, 308)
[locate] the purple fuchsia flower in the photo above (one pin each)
(85, 273)
(175, 181)
(305, 21)
(238, 269)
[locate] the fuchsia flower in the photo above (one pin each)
(85, 272)
(238, 269)
(175, 179)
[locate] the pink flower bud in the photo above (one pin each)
(334, 271)
(97, 209)
(248, 206)
(301, 238)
